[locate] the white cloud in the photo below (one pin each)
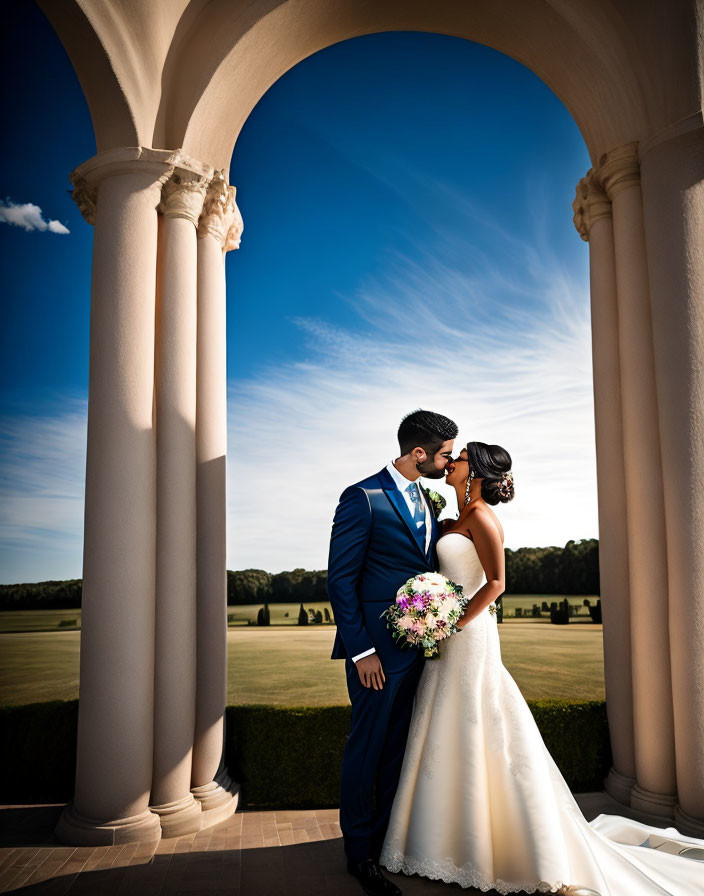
(28, 216)
(506, 356)
(515, 375)
(57, 227)
(42, 487)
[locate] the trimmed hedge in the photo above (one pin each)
(284, 758)
(38, 751)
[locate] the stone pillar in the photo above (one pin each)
(673, 195)
(120, 194)
(655, 789)
(175, 389)
(593, 222)
(218, 231)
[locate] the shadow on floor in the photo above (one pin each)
(33, 861)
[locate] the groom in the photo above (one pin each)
(384, 532)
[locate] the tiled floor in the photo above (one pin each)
(295, 853)
(251, 854)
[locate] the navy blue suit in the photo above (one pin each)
(374, 548)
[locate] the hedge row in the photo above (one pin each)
(283, 757)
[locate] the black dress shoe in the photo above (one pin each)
(373, 882)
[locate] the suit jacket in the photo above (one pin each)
(375, 548)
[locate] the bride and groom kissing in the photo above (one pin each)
(444, 772)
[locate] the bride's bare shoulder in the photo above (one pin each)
(481, 520)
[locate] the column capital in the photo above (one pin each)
(159, 164)
(182, 195)
(619, 169)
(85, 196)
(221, 218)
(590, 204)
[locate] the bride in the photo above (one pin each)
(480, 801)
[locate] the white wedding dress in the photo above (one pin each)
(480, 801)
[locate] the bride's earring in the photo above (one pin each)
(469, 483)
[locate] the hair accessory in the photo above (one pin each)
(505, 486)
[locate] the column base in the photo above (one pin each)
(218, 799)
(78, 830)
(687, 825)
(660, 804)
(182, 816)
(619, 786)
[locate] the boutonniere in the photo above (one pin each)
(437, 502)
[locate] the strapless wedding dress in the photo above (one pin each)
(480, 801)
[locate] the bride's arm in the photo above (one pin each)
(490, 550)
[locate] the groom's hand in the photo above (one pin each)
(370, 672)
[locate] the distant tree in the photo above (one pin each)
(560, 615)
(573, 569)
(595, 611)
(248, 586)
(48, 595)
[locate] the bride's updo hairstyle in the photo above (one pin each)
(491, 463)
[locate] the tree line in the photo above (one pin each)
(573, 569)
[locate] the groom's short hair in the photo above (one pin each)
(425, 429)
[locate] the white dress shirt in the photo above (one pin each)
(402, 485)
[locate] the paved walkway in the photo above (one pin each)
(287, 853)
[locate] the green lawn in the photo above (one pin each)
(280, 614)
(38, 620)
(526, 601)
(291, 666)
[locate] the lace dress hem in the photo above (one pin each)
(466, 876)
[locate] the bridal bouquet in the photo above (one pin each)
(426, 611)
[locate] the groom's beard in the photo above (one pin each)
(428, 470)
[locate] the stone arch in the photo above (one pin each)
(169, 86)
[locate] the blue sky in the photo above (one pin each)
(408, 242)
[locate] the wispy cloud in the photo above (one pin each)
(28, 216)
(506, 356)
(42, 486)
(501, 345)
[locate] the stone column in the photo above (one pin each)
(219, 230)
(175, 389)
(120, 194)
(655, 790)
(673, 195)
(593, 222)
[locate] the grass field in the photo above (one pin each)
(289, 667)
(280, 614)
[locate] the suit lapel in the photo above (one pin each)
(433, 522)
(398, 502)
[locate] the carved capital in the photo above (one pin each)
(619, 169)
(221, 219)
(151, 168)
(85, 196)
(234, 234)
(590, 204)
(182, 195)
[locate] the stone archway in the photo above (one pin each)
(169, 85)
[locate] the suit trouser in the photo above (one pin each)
(374, 755)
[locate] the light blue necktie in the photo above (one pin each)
(418, 509)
